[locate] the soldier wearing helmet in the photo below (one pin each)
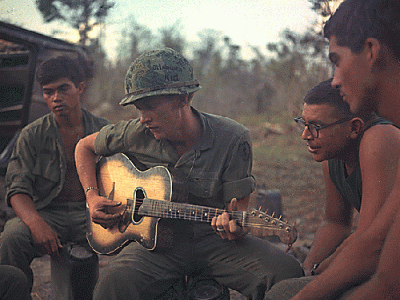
(159, 72)
(214, 155)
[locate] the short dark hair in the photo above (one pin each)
(324, 93)
(356, 20)
(60, 67)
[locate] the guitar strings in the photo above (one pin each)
(161, 208)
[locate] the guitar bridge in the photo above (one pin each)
(125, 217)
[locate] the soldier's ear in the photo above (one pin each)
(81, 87)
(356, 127)
(183, 100)
(376, 54)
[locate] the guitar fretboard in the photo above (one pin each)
(172, 210)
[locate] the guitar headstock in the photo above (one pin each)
(261, 224)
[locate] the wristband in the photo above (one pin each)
(314, 269)
(91, 188)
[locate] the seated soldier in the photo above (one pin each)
(359, 173)
(367, 72)
(42, 185)
(215, 155)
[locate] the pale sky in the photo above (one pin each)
(246, 22)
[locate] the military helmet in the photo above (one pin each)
(158, 72)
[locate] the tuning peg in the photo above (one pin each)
(273, 214)
(280, 217)
(259, 208)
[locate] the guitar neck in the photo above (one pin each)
(184, 211)
(260, 223)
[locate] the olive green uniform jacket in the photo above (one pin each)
(38, 165)
(217, 168)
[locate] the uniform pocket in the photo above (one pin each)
(47, 166)
(204, 184)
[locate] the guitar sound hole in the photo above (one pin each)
(139, 195)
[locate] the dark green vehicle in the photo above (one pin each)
(21, 101)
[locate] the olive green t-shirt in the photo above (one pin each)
(350, 186)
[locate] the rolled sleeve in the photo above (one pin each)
(19, 179)
(237, 179)
(238, 189)
(110, 139)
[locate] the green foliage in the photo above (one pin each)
(82, 15)
(300, 63)
(135, 39)
(171, 37)
(272, 84)
(325, 8)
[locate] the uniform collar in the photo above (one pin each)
(84, 120)
(207, 133)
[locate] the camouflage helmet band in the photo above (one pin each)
(189, 84)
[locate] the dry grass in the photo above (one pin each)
(281, 161)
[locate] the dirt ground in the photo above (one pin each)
(42, 287)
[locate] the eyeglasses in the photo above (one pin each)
(313, 128)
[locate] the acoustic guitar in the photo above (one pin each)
(146, 198)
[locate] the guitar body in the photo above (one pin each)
(119, 180)
(146, 198)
